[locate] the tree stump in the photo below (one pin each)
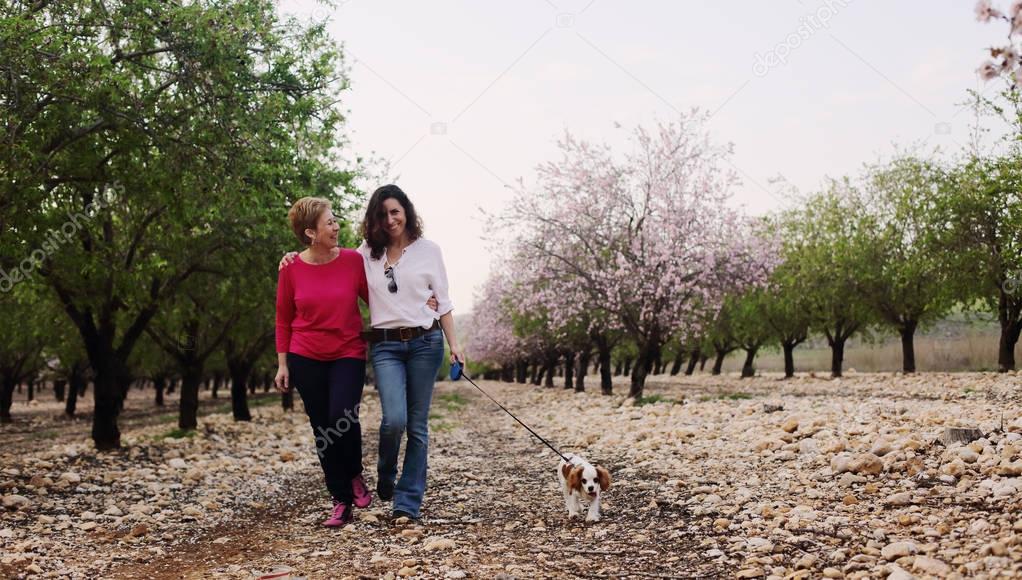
(962, 435)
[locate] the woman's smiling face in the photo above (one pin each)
(394, 213)
(326, 232)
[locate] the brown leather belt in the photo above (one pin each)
(375, 335)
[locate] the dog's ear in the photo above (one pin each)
(575, 478)
(566, 470)
(604, 476)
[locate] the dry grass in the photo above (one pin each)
(969, 350)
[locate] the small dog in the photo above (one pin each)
(580, 482)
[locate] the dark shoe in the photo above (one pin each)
(385, 491)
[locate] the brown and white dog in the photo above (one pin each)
(582, 482)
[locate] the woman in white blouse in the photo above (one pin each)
(404, 270)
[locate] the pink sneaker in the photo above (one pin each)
(340, 516)
(361, 493)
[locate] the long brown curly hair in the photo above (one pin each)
(374, 224)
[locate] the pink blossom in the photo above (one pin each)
(985, 11)
(644, 242)
(988, 70)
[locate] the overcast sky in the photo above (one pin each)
(463, 97)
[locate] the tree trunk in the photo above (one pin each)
(1010, 331)
(618, 368)
(507, 373)
(287, 400)
(540, 373)
(908, 350)
(59, 390)
(789, 358)
(550, 359)
(521, 372)
(679, 361)
(215, 390)
(31, 390)
(159, 385)
(606, 380)
(702, 361)
(191, 380)
(7, 387)
(569, 369)
(107, 407)
(651, 360)
(534, 373)
(837, 356)
(748, 369)
(693, 360)
(718, 361)
(639, 372)
(628, 366)
(239, 394)
(76, 388)
(124, 384)
(583, 370)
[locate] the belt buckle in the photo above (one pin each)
(405, 334)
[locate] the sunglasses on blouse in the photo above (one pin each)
(392, 285)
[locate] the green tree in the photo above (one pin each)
(150, 361)
(906, 279)
(190, 329)
(145, 137)
(822, 238)
(982, 208)
(720, 337)
(24, 337)
(751, 326)
(786, 310)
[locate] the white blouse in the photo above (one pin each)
(419, 273)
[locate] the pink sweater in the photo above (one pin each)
(317, 308)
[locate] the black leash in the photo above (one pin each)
(457, 373)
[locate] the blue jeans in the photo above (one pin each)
(405, 375)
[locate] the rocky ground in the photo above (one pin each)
(713, 477)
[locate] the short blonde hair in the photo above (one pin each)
(304, 214)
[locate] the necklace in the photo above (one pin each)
(388, 263)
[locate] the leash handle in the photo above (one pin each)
(457, 372)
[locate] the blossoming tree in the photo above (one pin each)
(644, 242)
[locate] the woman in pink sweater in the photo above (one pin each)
(320, 350)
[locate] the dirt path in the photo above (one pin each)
(713, 477)
(493, 508)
